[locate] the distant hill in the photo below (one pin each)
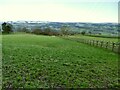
(92, 28)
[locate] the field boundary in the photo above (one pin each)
(112, 46)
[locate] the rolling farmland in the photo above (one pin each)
(38, 61)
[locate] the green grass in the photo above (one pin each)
(95, 38)
(32, 61)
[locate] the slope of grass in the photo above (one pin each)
(95, 38)
(32, 61)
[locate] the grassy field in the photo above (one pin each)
(32, 61)
(95, 38)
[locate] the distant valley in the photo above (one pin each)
(76, 27)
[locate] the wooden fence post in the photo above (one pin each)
(106, 45)
(101, 43)
(96, 43)
(113, 46)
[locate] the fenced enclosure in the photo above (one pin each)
(112, 46)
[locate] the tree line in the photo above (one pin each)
(7, 28)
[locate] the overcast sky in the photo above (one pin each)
(59, 10)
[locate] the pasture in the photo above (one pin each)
(37, 61)
(109, 43)
(112, 39)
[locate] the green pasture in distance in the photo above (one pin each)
(95, 38)
(37, 61)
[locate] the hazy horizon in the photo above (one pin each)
(93, 11)
(54, 21)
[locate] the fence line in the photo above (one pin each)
(113, 46)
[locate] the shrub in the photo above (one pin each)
(37, 31)
(83, 32)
